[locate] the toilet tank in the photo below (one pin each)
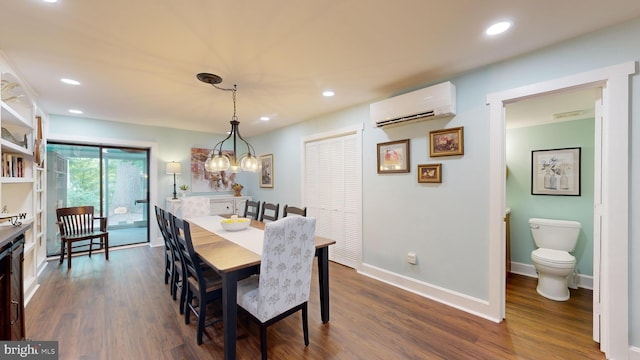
(555, 234)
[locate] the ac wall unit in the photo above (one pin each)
(429, 103)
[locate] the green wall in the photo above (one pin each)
(520, 142)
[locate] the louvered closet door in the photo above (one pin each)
(332, 194)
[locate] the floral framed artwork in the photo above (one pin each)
(446, 142)
(204, 181)
(266, 171)
(393, 157)
(556, 172)
(430, 173)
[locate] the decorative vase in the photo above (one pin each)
(237, 192)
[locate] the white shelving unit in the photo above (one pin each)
(22, 181)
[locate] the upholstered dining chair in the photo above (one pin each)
(283, 285)
(194, 206)
(168, 254)
(203, 284)
(252, 209)
(269, 211)
(292, 210)
(77, 224)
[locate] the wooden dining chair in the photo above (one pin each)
(77, 224)
(203, 284)
(168, 254)
(175, 269)
(178, 287)
(294, 211)
(283, 285)
(252, 209)
(269, 211)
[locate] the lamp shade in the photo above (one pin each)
(173, 167)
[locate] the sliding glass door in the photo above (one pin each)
(114, 180)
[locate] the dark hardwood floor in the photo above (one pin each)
(121, 309)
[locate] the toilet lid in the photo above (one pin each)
(553, 256)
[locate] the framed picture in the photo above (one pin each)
(393, 157)
(266, 171)
(204, 181)
(446, 142)
(430, 173)
(555, 172)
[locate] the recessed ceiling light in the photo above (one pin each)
(75, 111)
(70, 81)
(265, 118)
(50, 1)
(498, 28)
(328, 93)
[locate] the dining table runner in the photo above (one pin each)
(249, 238)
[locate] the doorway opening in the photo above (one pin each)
(610, 314)
(562, 120)
(114, 180)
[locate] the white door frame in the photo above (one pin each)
(614, 267)
(154, 233)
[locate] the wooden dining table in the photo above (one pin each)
(233, 262)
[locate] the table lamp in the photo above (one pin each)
(173, 168)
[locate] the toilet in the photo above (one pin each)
(554, 239)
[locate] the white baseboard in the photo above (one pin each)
(634, 353)
(469, 304)
(583, 281)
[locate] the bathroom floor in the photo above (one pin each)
(560, 321)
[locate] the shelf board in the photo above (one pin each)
(8, 146)
(13, 116)
(15, 180)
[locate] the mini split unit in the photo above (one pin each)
(429, 103)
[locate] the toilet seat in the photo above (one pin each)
(553, 258)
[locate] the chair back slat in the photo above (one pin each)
(252, 209)
(162, 225)
(76, 220)
(292, 210)
(269, 211)
(167, 219)
(191, 261)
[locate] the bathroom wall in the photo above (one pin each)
(520, 142)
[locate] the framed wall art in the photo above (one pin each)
(446, 142)
(266, 171)
(393, 157)
(204, 181)
(430, 173)
(555, 172)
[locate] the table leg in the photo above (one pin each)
(229, 312)
(323, 278)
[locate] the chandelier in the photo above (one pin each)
(225, 161)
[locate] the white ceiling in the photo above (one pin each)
(137, 60)
(565, 106)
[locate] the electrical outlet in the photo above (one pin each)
(411, 258)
